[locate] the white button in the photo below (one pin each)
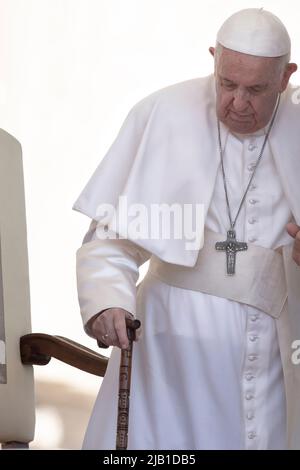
(252, 239)
(253, 338)
(252, 357)
(249, 377)
(252, 221)
(254, 317)
(252, 435)
(251, 166)
(252, 187)
(251, 147)
(249, 396)
(253, 201)
(250, 415)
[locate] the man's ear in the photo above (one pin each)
(212, 51)
(290, 69)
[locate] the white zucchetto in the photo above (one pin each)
(255, 31)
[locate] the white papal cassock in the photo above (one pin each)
(207, 372)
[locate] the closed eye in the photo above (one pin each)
(228, 84)
(257, 89)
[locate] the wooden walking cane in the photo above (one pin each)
(124, 385)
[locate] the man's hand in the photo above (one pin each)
(294, 231)
(110, 328)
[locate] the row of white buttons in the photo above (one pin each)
(250, 376)
(253, 337)
(252, 201)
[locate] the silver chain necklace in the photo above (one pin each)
(231, 245)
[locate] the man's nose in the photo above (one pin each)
(240, 100)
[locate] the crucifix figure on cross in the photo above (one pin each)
(231, 246)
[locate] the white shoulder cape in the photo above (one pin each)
(167, 152)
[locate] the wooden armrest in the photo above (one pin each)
(39, 348)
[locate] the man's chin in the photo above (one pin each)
(241, 127)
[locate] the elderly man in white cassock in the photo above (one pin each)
(216, 365)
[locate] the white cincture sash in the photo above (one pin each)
(259, 280)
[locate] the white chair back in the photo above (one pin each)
(17, 415)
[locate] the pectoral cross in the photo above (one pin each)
(231, 246)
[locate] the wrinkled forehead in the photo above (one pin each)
(235, 64)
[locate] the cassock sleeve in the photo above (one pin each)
(107, 273)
